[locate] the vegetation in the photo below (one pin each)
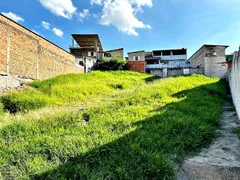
(139, 132)
(113, 64)
(72, 89)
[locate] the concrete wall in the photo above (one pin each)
(174, 72)
(170, 72)
(141, 54)
(157, 72)
(88, 62)
(116, 52)
(197, 60)
(196, 70)
(216, 66)
(234, 81)
(212, 64)
(26, 54)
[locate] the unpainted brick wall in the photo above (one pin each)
(30, 55)
(3, 47)
(234, 81)
(138, 66)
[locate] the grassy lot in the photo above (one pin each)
(139, 132)
(72, 89)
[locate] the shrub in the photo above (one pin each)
(114, 64)
(25, 100)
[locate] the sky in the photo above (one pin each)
(132, 24)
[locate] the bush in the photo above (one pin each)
(114, 64)
(25, 100)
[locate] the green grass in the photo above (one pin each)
(72, 89)
(139, 132)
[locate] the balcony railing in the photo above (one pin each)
(167, 66)
(173, 57)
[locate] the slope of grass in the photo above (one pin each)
(138, 134)
(72, 89)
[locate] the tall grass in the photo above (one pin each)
(138, 134)
(72, 89)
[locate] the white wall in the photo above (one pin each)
(234, 81)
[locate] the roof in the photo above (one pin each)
(208, 45)
(35, 33)
(136, 51)
(170, 49)
(119, 49)
(87, 40)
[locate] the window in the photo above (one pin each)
(166, 53)
(136, 58)
(180, 52)
(81, 63)
(92, 53)
(78, 53)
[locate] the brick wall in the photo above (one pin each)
(138, 66)
(26, 54)
(3, 47)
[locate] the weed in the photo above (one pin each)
(137, 134)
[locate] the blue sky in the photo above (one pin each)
(132, 24)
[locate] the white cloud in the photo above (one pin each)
(121, 14)
(13, 16)
(140, 3)
(35, 31)
(58, 32)
(83, 15)
(46, 25)
(99, 2)
(64, 8)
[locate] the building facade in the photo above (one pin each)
(136, 61)
(87, 49)
(210, 60)
(159, 62)
(113, 53)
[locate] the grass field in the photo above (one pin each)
(133, 128)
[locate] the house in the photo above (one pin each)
(136, 61)
(210, 60)
(165, 62)
(87, 49)
(113, 53)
